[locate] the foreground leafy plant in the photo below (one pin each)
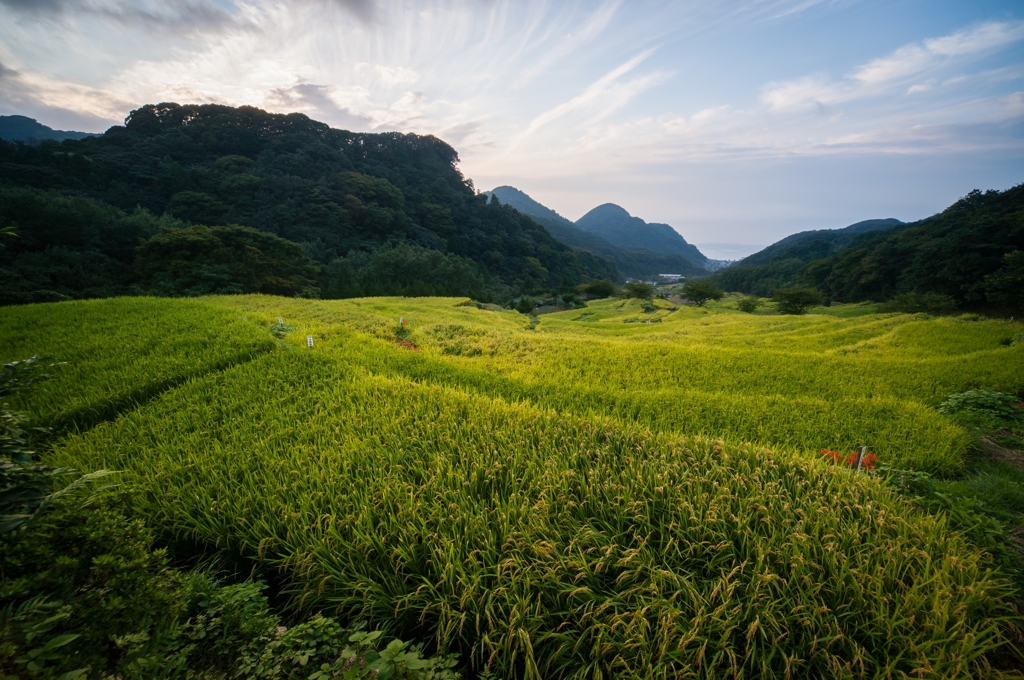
(986, 407)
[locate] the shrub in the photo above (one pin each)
(911, 303)
(85, 595)
(749, 304)
(89, 584)
(640, 290)
(985, 407)
(526, 305)
(1006, 286)
(796, 300)
(701, 291)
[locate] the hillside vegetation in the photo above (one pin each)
(779, 265)
(959, 253)
(587, 496)
(82, 207)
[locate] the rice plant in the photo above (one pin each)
(555, 498)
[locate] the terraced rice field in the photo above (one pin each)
(578, 498)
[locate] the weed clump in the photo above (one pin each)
(985, 407)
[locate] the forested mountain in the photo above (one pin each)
(82, 207)
(779, 265)
(618, 227)
(633, 262)
(25, 129)
(972, 253)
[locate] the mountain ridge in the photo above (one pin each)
(614, 224)
(24, 129)
(639, 263)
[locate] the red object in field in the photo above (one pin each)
(866, 463)
(408, 345)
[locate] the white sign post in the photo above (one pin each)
(309, 340)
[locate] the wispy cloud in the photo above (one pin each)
(909, 62)
(149, 15)
(553, 91)
(597, 93)
(61, 103)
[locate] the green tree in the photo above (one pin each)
(1005, 287)
(526, 305)
(408, 270)
(930, 303)
(602, 288)
(749, 304)
(796, 300)
(203, 260)
(640, 290)
(701, 291)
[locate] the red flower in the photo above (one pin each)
(866, 463)
(834, 455)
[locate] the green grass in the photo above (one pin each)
(578, 497)
(794, 383)
(544, 545)
(119, 352)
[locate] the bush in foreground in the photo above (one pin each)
(85, 595)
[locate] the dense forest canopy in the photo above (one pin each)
(82, 207)
(952, 254)
(965, 253)
(779, 265)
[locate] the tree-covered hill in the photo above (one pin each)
(970, 252)
(25, 129)
(335, 193)
(779, 265)
(618, 227)
(635, 262)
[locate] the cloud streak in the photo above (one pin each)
(554, 92)
(893, 70)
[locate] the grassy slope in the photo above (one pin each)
(525, 495)
(120, 352)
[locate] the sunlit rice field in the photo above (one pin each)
(578, 498)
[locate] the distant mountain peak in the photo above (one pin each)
(614, 224)
(24, 129)
(610, 210)
(639, 260)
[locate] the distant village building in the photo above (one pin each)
(670, 278)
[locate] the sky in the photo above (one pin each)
(738, 122)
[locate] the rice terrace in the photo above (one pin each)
(511, 340)
(565, 499)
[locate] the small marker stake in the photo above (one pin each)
(280, 321)
(401, 320)
(860, 456)
(309, 340)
